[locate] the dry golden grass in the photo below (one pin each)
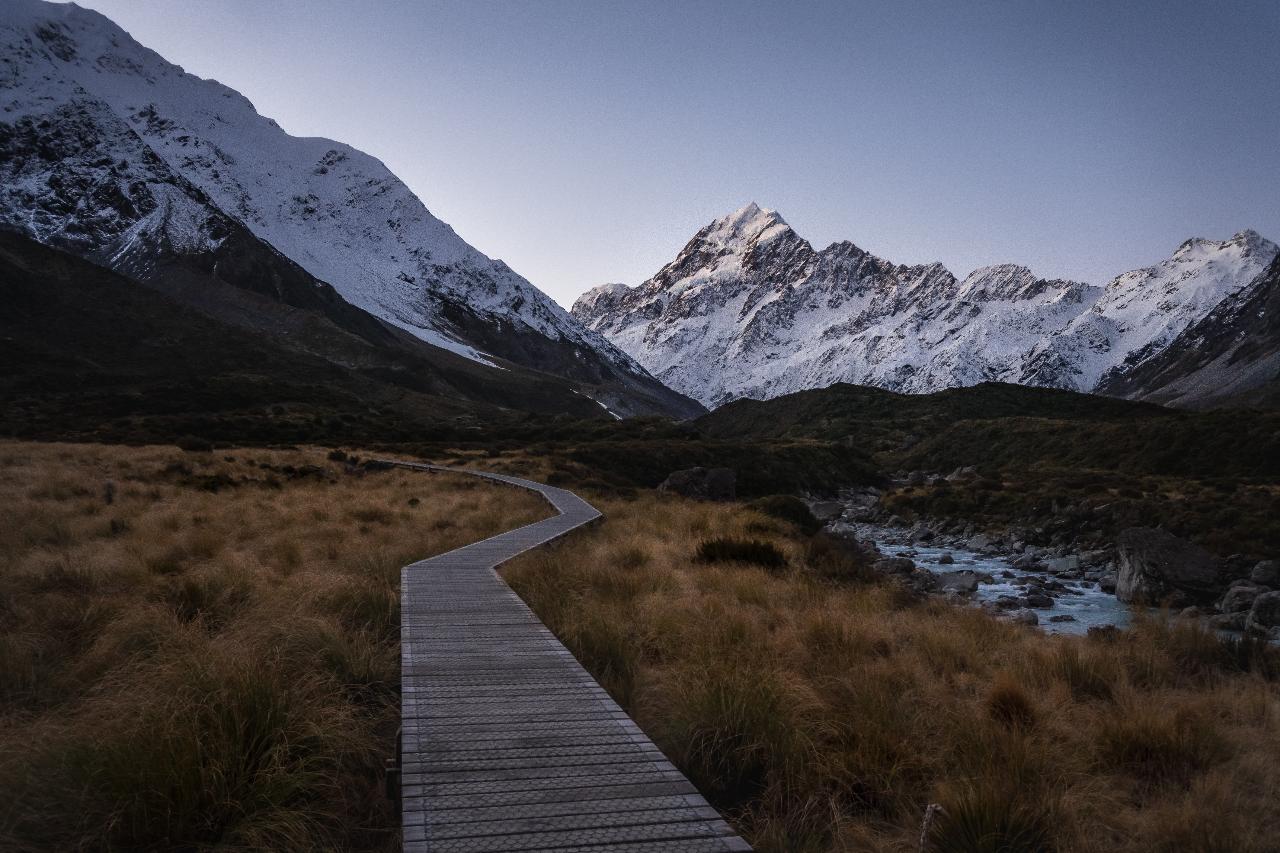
(825, 715)
(202, 650)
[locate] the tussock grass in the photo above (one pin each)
(190, 667)
(725, 549)
(823, 710)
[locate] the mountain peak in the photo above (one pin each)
(751, 223)
(1246, 242)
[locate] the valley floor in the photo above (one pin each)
(824, 709)
(199, 649)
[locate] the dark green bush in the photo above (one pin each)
(838, 559)
(725, 549)
(788, 508)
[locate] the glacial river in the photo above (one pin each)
(1088, 605)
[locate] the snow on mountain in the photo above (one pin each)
(168, 154)
(1143, 310)
(749, 309)
(1231, 356)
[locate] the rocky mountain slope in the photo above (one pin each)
(1230, 357)
(86, 353)
(111, 152)
(750, 309)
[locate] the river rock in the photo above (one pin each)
(1156, 566)
(1063, 564)
(1228, 621)
(1264, 614)
(1024, 617)
(920, 533)
(1038, 600)
(843, 529)
(1107, 583)
(946, 559)
(1266, 573)
(1239, 598)
(894, 566)
(981, 542)
(717, 484)
(826, 510)
(915, 478)
(1062, 617)
(962, 582)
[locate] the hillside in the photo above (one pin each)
(89, 353)
(112, 153)
(1080, 466)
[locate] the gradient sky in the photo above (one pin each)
(584, 142)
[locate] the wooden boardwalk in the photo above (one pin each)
(508, 744)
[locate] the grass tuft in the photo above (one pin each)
(724, 549)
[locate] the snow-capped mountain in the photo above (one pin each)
(112, 152)
(750, 309)
(1231, 356)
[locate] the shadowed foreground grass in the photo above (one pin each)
(823, 711)
(201, 650)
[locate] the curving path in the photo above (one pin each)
(508, 744)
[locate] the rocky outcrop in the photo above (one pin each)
(1266, 573)
(1240, 598)
(1157, 567)
(716, 484)
(1264, 615)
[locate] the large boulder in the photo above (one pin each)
(826, 510)
(1265, 613)
(1266, 573)
(1156, 566)
(1062, 564)
(894, 565)
(920, 533)
(717, 484)
(959, 582)
(979, 543)
(1240, 598)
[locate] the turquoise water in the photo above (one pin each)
(1083, 600)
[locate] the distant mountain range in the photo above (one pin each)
(115, 156)
(750, 309)
(111, 153)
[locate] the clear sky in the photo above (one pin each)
(584, 142)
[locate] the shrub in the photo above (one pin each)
(191, 444)
(725, 549)
(838, 559)
(602, 643)
(631, 557)
(788, 508)
(990, 818)
(367, 604)
(1158, 745)
(734, 728)
(1008, 703)
(213, 597)
(1085, 674)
